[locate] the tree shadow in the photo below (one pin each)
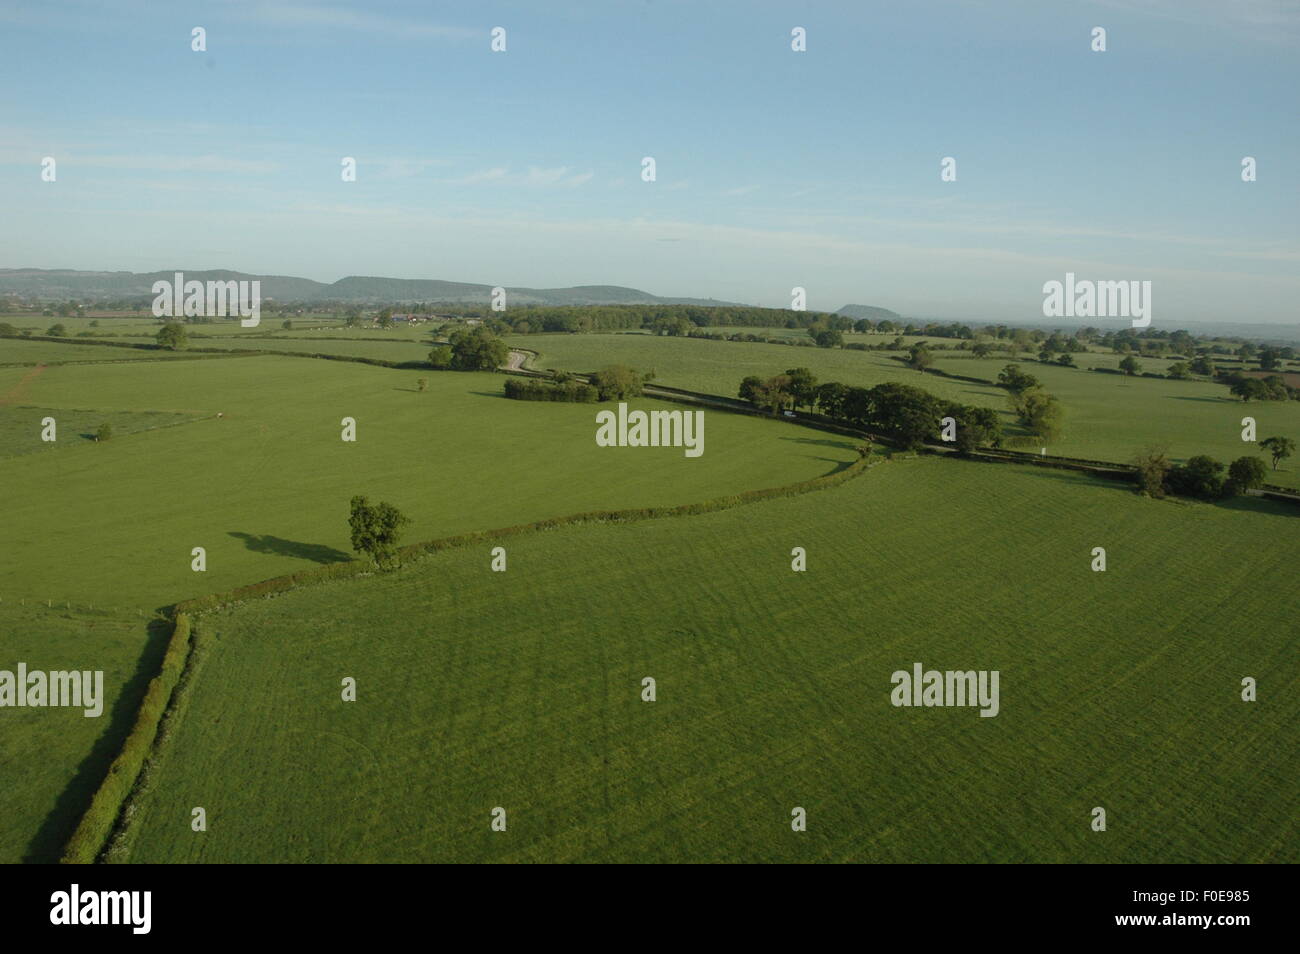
(841, 444)
(1207, 400)
(316, 552)
(1255, 504)
(48, 843)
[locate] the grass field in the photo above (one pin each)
(53, 759)
(265, 490)
(522, 690)
(1113, 417)
(20, 351)
(20, 426)
(717, 367)
(1107, 416)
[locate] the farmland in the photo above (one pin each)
(522, 690)
(63, 754)
(1108, 416)
(265, 488)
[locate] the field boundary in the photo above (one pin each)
(104, 826)
(112, 799)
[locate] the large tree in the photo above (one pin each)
(1152, 468)
(616, 382)
(908, 415)
(751, 389)
(1039, 411)
(775, 393)
(375, 530)
(803, 386)
(1279, 447)
(1015, 380)
(919, 357)
(1245, 473)
(477, 350)
(1201, 476)
(172, 335)
(830, 398)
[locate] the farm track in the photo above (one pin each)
(17, 391)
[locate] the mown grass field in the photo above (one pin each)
(717, 367)
(20, 429)
(360, 345)
(265, 490)
(522, 689)
(21, 351)
(1114, 417)
(1107, 416)
(53, 759)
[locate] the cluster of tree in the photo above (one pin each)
(476, 349)
(1040, 412)
(660, 319)
(172, 335)
(907, 415)
(1201, 476)
(617, 382)
(535, 390)
(1271, 388)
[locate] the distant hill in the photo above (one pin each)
(71, 284)
(869, 311)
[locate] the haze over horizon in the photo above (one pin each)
(774, 168)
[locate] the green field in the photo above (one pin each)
(717, 367)
(522, 690)
(20, 351)
(265, 490)
(1107, 416)
(52, 760)
(1114, 417)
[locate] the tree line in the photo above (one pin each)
(906, 415)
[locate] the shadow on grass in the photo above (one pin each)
(838, 444)
(47, 845)
(316, 552)
(1248, 504)
(1207, 400)
(1258, 505)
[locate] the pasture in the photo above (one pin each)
(265, 490)
(523, 689)
(53, 759)
(1107, 416)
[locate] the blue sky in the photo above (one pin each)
(775, 168)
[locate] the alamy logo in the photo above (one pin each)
(57, 688)
(1089, 299)
(951, 688)
(103, 907)
(653, 429)
(179, 298)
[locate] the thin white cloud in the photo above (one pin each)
(558, 177)
(307, 15)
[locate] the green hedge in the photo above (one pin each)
(106, 806)
(355, 568)
(529, 390)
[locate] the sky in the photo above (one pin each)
(774, 168)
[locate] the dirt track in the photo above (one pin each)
(14, 393)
